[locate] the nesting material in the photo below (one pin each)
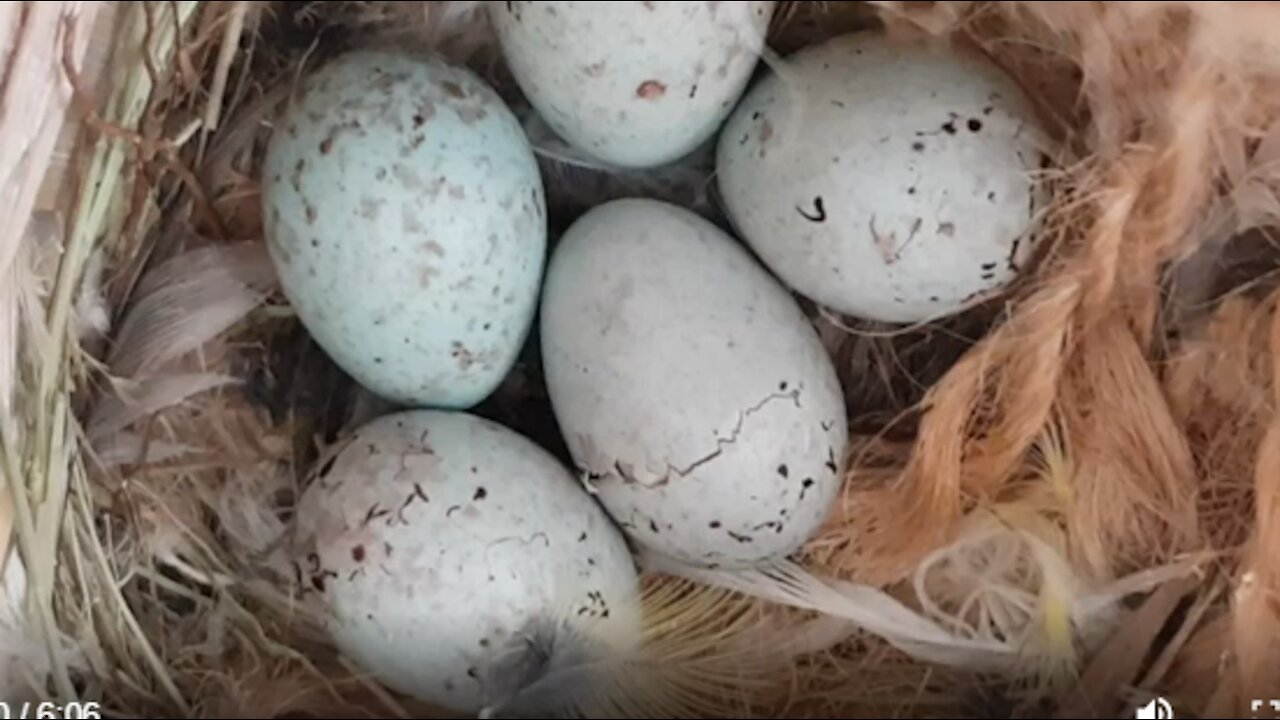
(1062, 499)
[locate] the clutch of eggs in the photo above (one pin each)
(404, 212)
(689, 386)
(633, 84)
(436, 543)
(885, 180)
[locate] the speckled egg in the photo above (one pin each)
(634, 84)
(888, 181)
(689, 386)
(405, 213)
(436, 541)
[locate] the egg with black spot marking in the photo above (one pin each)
(632, 84)
(691, 389)
(434, 541)
(887, 180)
(405, 214)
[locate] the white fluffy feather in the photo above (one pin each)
(23, 662)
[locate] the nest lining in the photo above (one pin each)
(1111, 416)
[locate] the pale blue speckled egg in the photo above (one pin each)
(405, 213)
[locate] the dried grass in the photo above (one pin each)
(1022, 469)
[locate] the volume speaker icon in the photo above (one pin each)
(1157, 709)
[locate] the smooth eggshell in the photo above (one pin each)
(888, 181)
(405, 214)
(436, 537)
(689, 386)
(634, 84)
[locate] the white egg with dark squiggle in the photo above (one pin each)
(404, 212)
(690, 387)
(886, 180)
(634, 84)
(436, 543)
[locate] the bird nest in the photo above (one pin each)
(1081, 473)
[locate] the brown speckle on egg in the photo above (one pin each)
(434, 187)
(472, 115)
(651, 90)
(369, 207)
(464, 356)
(407, 176)
(425, 112)
(296, 179)
(409, 220)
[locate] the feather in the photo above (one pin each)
(20, 656)
(24, 660)
(126, 447)
(558, 670)
(246, 509)
(698, 658)
(872, 609)
(187, 301)
(460, 26)
(795, 640)
(137, 400)
(576, 181)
